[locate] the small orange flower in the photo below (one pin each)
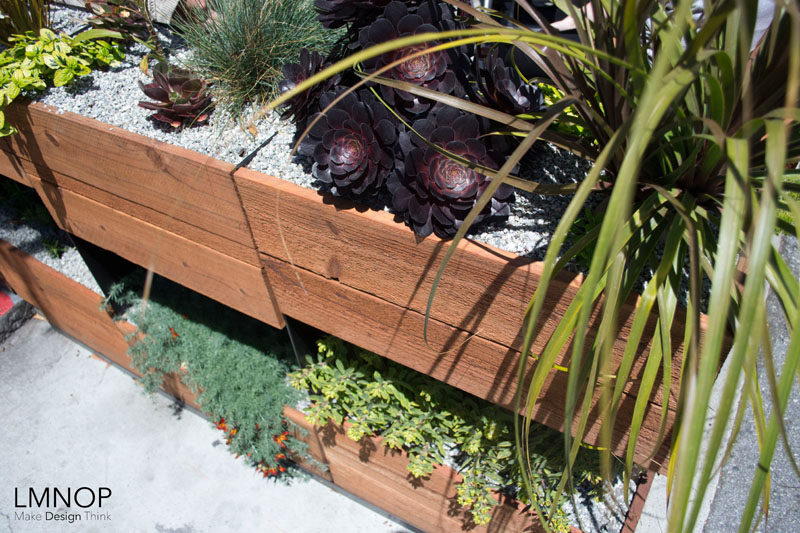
(282, 468)
(280, 439)
(222, 425)
(173, 333)
(280, 456)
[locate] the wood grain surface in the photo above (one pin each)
(476, 365)
(75, 310)
(173, 181)
(218, 276)
(484, 290)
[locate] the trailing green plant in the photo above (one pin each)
(242, 47)
(20, 16)
(693, 119)
(235, 365)
(34, 61)
(435, 423)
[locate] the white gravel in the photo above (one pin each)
(30, 239)
(111, 96)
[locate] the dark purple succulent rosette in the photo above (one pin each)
(338, 13)
(433, 71)
(180, 96)
(305, 104)
(502, 88)
(434, 193)
(352, 145)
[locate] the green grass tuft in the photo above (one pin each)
(242, 48)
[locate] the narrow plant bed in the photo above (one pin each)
(26, 224)
(268, 247)
(431, 503)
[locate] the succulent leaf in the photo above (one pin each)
(352, 145)
(182, 98)
(305, 104)
(435, 70)
(433, 192)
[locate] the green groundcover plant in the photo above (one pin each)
(432, 422)
(34, 60)
(235, 365)
(692, 113)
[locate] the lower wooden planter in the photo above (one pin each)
(366, 469)
(269, 248)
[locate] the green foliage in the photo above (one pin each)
(236, 365)
(583, 228)
(242, 47)
(433, 421)
(694, 118)
(20, 16)
(34, 61)
(131, 19)
(54, 247)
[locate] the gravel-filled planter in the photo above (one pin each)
(268, 247)
(366, 468)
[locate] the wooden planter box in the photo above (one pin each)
(270, 248)
(366, 469)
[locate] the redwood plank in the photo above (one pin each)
(173, 181)
(231, 282)
(476, 365)
(75, 310)
(68, 305)
(241, 252)
(484, 290)
(10, 165)
(382, 479)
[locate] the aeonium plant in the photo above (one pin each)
(435, 201)
(181, 97)
(693, 125)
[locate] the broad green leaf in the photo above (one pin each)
(50, 61)
(62, 77)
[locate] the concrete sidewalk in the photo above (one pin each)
(72, 421)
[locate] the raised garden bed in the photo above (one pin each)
(366, 469)
(267, 247)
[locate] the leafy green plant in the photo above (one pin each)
(54, 247)
(693, 119)
(243, 46)
(236, 366)
(127, 17)
(132, 20)
(36, 60)
(20, 16)
(432, 422)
